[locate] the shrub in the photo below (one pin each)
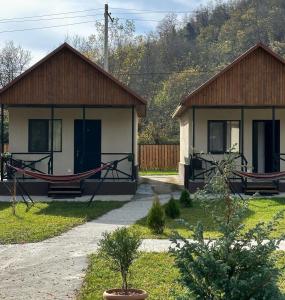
(120, 248)
(237, 265)
(172, 209)
(156, 217)
(185, 199)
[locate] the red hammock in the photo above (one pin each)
(61, 178)
(272, 176)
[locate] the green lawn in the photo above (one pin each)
(45, 220)
(258, 210)
(153, 272)
(158, 172)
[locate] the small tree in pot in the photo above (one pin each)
(120, 248)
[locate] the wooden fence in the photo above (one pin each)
(159, 157)
(6, 148)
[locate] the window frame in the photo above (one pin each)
(48, 135)
(224, 136)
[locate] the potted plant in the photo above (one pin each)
(120, 248)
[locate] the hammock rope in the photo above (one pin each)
(61, 178)
(261, 176)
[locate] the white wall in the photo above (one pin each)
(116, 133)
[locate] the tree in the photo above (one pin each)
(237, 265)
(13, 61)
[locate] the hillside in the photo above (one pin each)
(178, 56)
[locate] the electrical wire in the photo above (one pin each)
(45, 27)
(154, 11)
(48, 15)
(50, 19)
(30, 18)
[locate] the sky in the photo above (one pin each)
(18, 15)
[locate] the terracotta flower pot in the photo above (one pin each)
(117, 294)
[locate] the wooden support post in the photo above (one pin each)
(2, 141)
(242, 137)
(193, 141)
(133, 143)
(51, 138)
(83, 138)
(273, 140)
(193, 128)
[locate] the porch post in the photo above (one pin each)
(193, 129)
(51, 142)
(242, 136)
(193, 140)
(242, 131)
(273, 139)
(83, 137)
(133, 143)
(2, 140)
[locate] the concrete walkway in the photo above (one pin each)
(55, 268)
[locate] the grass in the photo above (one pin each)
(258, 210)
(153, 272)
(157, 172)
(45, 220)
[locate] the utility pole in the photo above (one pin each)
(107, 15)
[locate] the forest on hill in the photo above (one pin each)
(167, 63)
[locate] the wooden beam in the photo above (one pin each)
(242, 130)
(193, 128)
(133, 143)
(2, 140)
(273, 139)
(52, 135)
(83, 137)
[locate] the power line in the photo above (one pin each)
(132, 11)
(76, 23)
(48, 15)
(140, 20)
(30, 18)
(45, 27)
(49, 19)
(155, 11)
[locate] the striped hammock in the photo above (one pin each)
(61, 178)
(261, 176)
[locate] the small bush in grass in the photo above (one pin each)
(156, 217)
(172, 209)
(185, 199)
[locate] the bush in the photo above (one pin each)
(172, 209)
(156, 217)
(120, 249)
(185, 199)
(237, 265)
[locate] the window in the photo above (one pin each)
(40, 135)
(223, 136)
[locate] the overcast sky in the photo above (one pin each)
(40, 42)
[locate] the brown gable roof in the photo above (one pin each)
(66, 77)
(256, 78)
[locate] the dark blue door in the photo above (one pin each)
(87, 146)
